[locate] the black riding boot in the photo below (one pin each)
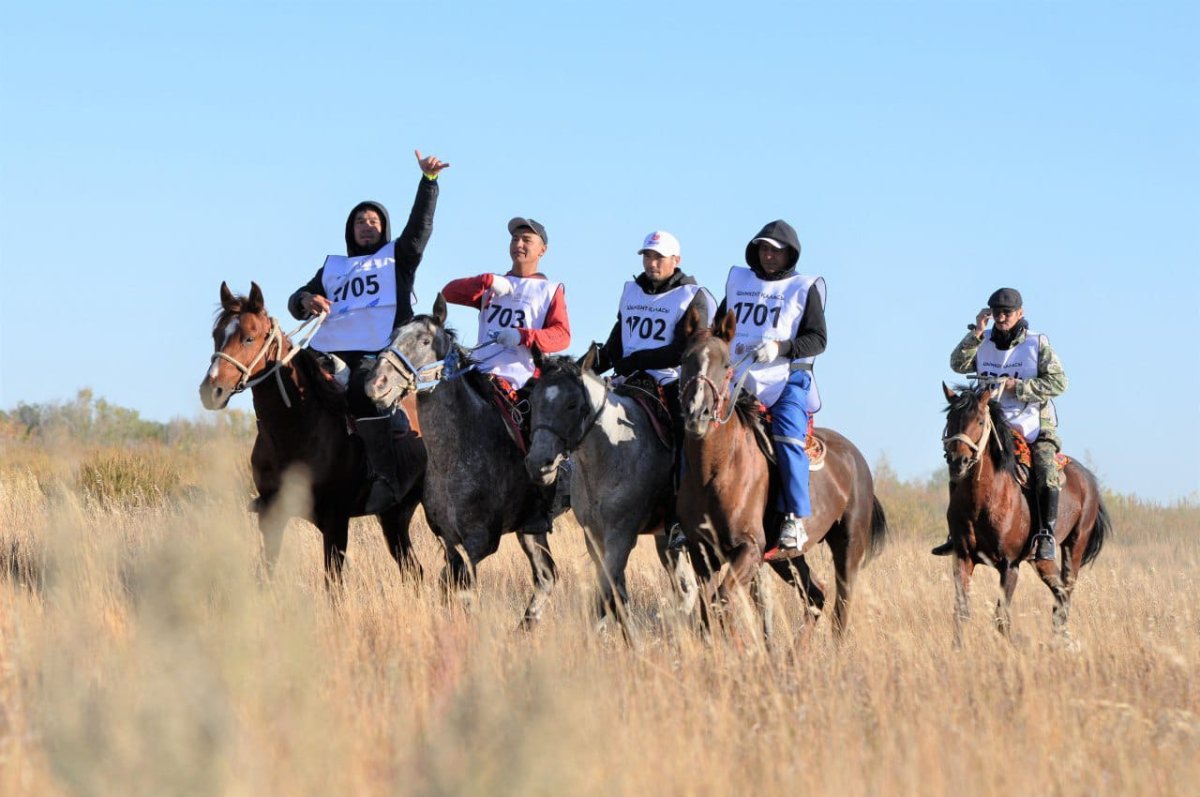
(1043, 541)
(376, 434)
(947, 547)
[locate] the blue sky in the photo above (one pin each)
(927, 153)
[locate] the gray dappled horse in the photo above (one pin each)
(476, 488)
(622, 471)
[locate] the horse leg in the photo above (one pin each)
(1008, 582)
(797, 573)
(846, 560)
(764, 599)
(617, 548)
(683, 577)
(271, 523)
(395, 522)
(335, 532)
(1062, 597)
(545, 573)
(964, 566)
(743, 569)
(457, 576)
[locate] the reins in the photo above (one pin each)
(719, 395)
(274, 338)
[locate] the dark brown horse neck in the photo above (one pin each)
(990, 498)
(730, 474)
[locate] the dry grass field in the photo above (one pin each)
(141, 654)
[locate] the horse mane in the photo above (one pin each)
(561, 363)
(1001, 444)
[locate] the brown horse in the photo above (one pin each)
(725, 487)
(302, 424)
(989, 516)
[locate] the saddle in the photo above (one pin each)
(756, 414)
(648, 395)
(1024, 458)
(513, 409)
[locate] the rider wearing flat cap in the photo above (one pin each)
(366, 294)
(780, 331)
(647, 342)
(1028, 375)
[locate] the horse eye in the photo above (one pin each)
(248, 340)
(426, 341)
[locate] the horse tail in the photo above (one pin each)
(1100, 532)
(879, 530)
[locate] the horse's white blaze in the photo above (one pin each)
(613, 422)
(552, 393)
(230, 328)
(696, 405)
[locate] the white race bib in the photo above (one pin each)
(1019, 362)
(768, 310)
(362, 297)
(525, 307)
(648, 321)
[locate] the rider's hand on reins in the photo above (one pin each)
(314, 304)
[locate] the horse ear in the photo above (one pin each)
(255, 302)
(588, 363)
(227, 297)
(539, 359)
(693, 320)
(950, 394)
(726, 327)
(985, 397)
(439, 309)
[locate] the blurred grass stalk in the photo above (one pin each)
(141, 653)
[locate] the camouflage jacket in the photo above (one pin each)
(1051, 380)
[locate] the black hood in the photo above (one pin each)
(352, 248)
(780, 231)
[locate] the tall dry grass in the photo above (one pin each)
(141, 654)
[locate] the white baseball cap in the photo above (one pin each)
(768, 241)
(662, 242)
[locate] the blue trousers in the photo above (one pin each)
(789, 428)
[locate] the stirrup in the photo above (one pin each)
(676, 539)
(1043, 547)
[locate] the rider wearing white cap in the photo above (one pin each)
(647, 342)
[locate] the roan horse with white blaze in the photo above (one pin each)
(724, 492)
(302, 424)
(622, 471)
(476, 488)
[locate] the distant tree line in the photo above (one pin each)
(87, 419)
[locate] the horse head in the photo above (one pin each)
(246, 341)
(404, 366)
(564, 404)
(972, 417)
(706, 370)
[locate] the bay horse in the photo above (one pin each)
(726, 486)
(989, 516)
(302, 424)
(622, 471)
(476, 488)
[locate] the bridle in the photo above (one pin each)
(275, 337)
(723, 393)
(415, 380)
(977, 446)
(569, 447)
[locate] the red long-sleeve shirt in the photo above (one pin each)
(555, 334)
